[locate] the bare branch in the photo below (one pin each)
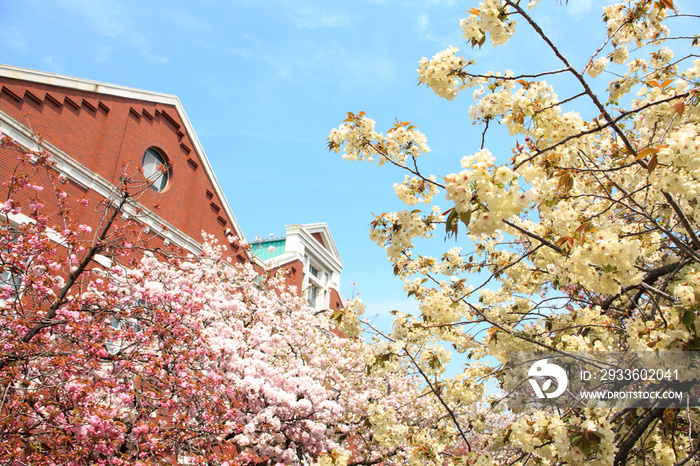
(683, 219)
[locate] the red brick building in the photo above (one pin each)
(96, 132)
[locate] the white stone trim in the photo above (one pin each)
(19, 219)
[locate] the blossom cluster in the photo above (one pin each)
(491, 193)
(360, 141)
(489, 18)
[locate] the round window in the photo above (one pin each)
(155, 169)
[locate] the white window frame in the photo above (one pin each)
(8, 277)
(312, 293)
(152, 162)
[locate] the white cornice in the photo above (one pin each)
(18, 219)
(87, 85)
(129, 93)
(328, 241)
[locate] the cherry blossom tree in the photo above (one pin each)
(116, 352)
(97, 366)
(586, 232)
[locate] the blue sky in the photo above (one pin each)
(264, 82)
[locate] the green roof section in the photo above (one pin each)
(261, 249)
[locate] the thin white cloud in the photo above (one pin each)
(578, 7)
(108, 17)
(430, 21)
(103, 54)
(198, 28)
(312, 16)
(417, 3)
(111, 19)
(14, 38)
(328, 64)
(439, 3)
(54, 64)
(422, 23)
(349, 70)
(425, 29)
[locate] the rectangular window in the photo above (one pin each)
(313, 270)
(10, 271)
(311, 295)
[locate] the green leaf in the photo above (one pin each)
(434, 363)
(576, 438)
(566, 182)
(694, 344)
(452, 223)
(677, 311)
(688, 318)
(586, 440)
(465, 217)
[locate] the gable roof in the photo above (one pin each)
(86, 85)
(322, 234)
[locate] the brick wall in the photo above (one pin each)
(109, 135)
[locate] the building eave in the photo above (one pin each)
(329, 258)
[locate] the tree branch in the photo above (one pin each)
(683, 219)
(625, 447)
(534, 236)
(439, 397)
